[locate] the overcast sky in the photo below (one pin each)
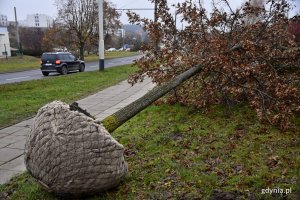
(25, 7)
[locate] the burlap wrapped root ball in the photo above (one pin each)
(70, 154)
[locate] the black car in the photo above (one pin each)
(61, 62)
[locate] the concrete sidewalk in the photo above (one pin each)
(101, 105)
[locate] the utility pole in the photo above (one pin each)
(5, 51)
(156, 25)
(123, 37)
(101, 39)
(17, 27)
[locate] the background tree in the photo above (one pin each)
(111, 18)
(134, 40)
(80, 18)
(56, 36)
(31, 40)
(241, 62)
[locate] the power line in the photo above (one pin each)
(128, 3)
(134, 9)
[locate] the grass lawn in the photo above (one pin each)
(21, 100)
(13, 64)
(178, 152)
(110, 55)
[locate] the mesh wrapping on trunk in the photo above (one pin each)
(70, 154)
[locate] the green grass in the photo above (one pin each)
(14, 64)
(110, 55)
(21, 100)
(178, 152)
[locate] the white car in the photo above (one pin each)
(112, 49)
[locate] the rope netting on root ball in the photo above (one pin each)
(70, 154)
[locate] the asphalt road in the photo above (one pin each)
(37, 74)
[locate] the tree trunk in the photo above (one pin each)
(81, 51)
(115, 120)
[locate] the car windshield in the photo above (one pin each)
(48, 57)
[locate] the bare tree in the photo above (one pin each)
(31, 39)
(80, 18)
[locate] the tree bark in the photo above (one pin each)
(115, 120)
(81, 51)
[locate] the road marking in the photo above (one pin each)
(22, 77)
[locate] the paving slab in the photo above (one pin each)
(3, 144)
(18, 145)
(26, 123)
(6, 175)
(22, 132)
(101, 116)
(8, 154)
(2, 135)
(11, 139)
(10, 130)
(15, 165)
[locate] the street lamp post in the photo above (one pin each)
(5, 51)
(101, 39)
(17, 27)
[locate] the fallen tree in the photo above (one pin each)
(71, 154)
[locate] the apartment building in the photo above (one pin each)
(37, 20)
(4, 43)
(3, 21)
